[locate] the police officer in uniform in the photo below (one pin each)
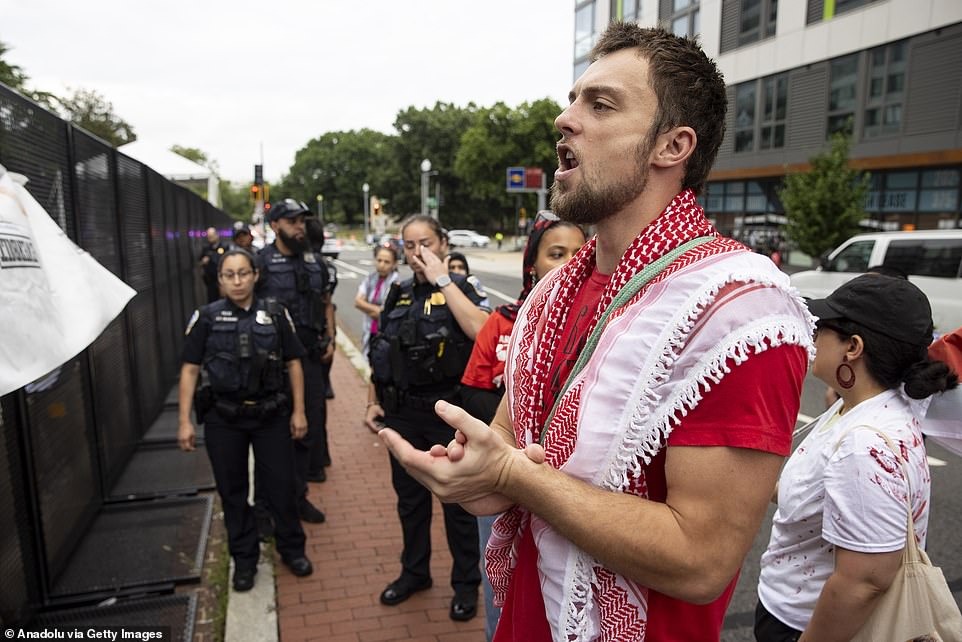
(320, 456)
(246, 345)
(423, 343)
(210, 255)
(294, 275)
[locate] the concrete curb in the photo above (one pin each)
(252, 616)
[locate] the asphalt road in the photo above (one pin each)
(501, 276)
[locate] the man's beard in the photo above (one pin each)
(590, 203)
(292, 243)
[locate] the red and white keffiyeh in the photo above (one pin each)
(655, 358)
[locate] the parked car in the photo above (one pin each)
(467, 238)
(332, 245)
(931, 259)
(394, 241)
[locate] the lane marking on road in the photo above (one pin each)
(500, 295)
(348, 266)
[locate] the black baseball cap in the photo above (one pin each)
(893, 307)
(288, 208)
(242, 228)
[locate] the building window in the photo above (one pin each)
(842, 93)
(626, 10)
(745, 99)
(769, 129)
(756, 20)
(683, 19)
(940, 190)
(580, 68)
(886, 90)
(774, 108)
(584, 29)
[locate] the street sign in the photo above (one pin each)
(516, 180)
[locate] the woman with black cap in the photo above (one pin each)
(840, 528)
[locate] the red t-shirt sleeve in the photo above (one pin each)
(754, 406)
(480, 369)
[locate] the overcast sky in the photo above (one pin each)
(228, 76)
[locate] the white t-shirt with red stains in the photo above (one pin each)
(843, 487)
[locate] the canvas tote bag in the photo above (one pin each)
(918, 604)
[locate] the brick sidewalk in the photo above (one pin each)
(357, 551)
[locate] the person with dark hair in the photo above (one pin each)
(243, 238)
(840, 528)
(373, 290)
(552, 243)
(423, 342)
(293, 274)
(320, 455)
(210, 255)
(458, 264)
(247, 345)
(652, 381)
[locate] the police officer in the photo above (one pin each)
(245, 344)
(210, 254)
(320, 456)
(418, 356)
(294, 275)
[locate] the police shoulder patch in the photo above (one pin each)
(476, 284)
(193, 320)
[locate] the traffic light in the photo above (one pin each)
(255, 193)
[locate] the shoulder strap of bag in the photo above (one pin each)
(625, 294)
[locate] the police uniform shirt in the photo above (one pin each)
(213, 252)
(198, 329)
(269, 256)
(427, 292)
(331, 275)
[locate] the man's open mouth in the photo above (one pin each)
(566, 158)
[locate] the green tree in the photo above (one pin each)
(825, 204)
(434, 134)
(336, 165)
(502, 137)
(235, 200)
(88, 109)
(192, 153)
(15, 77)
(11, 75)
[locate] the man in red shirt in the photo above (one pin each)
(652, 382)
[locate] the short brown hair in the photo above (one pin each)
(689, 87)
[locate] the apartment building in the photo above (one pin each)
(889, 71)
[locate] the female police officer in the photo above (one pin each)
(418, 356)
(245, 345)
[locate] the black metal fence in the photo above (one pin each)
(65, 438)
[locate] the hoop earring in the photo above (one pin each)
(849, 379)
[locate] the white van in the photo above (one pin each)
(931, 259)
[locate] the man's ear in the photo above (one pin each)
(674, 147)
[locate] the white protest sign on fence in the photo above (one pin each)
(55, 299)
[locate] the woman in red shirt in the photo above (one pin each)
(551, 243)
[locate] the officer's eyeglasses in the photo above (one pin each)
(243, 275)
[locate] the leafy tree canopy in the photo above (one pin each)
(88, 109)
(825, 204)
